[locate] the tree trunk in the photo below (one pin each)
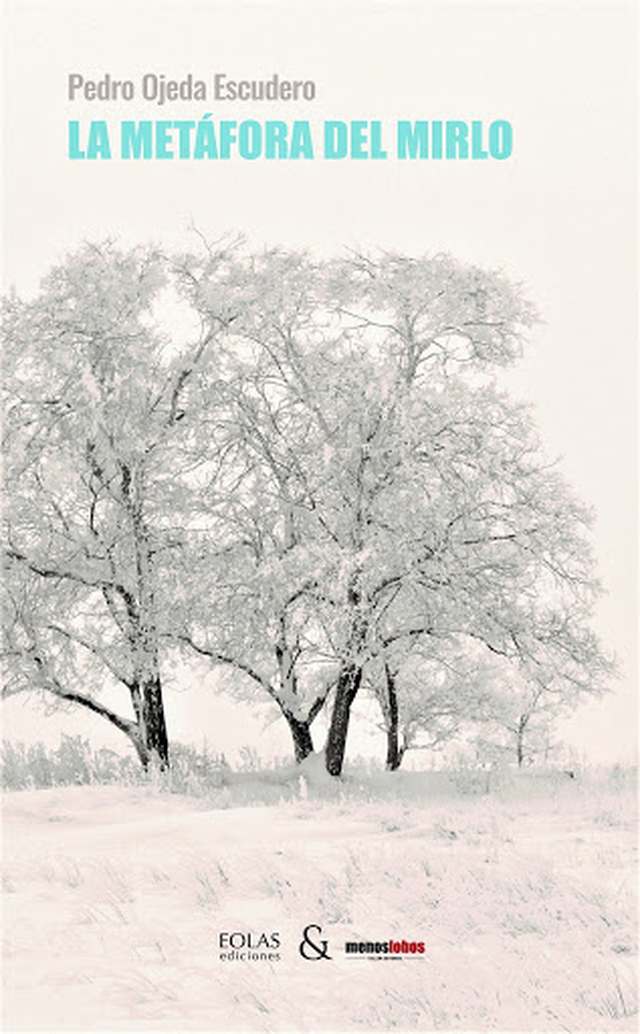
(300, 728)
(301, 734)
(394, 754)
(153, 727)
(520, 741)
(346, 689)
(147, 696)
(131, 729)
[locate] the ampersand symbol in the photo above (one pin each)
(319, 951)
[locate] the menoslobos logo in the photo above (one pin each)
(238, 946)
(390, 949)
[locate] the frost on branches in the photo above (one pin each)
(303, 471)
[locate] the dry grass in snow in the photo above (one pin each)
(114, 899)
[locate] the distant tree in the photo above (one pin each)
(520, 713)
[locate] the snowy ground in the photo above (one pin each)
(115, 898)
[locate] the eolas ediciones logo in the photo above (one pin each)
(240, 946)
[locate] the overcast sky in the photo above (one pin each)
(559, 215)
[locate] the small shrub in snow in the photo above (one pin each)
(75, 763)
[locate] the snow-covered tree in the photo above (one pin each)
(426, 691)
(388, 489)
(519, 713)
(94, 394)
(255, 606)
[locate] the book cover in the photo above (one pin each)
(319, 516)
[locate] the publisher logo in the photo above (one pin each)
(389, 949)
(246, 946)
(312, 948)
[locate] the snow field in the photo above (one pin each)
(115, 898)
